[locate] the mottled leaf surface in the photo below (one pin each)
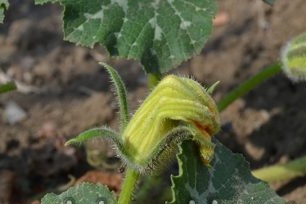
(84, 193)
(159, 33)
(227, 181)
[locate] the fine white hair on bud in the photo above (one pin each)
(175, 102)
(177, 109)
(293, 58)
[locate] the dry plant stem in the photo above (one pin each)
(128, 187)
(282, 172)
(248, 85)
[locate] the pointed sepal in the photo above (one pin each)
(121, 94)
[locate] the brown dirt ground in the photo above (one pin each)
(65, 92)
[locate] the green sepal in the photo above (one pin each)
(163, 154)
(84, 193)
(165, 150)
(121, 95)
(100, 133)
(104, 132)
(210, 90)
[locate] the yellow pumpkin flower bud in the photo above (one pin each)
(174, 102)
(177, 109)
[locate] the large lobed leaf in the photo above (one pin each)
(227, 181)
(160, 33)
(85, 193)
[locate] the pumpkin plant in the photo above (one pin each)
(179, 116)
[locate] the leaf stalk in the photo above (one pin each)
(248, 85)
(280, 172)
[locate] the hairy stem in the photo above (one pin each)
(282, 172)
(248, 85)
(128, 187)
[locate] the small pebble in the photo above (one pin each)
(13, 113)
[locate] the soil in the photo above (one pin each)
(63, 91)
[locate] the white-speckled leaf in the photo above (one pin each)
(228, 181)
(160, 33)
(83, 193)
(3, 6)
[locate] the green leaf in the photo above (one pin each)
(121, 94)
(7, 87)
(3, 7)
(160, 33)
(271, 2)
(84, 193)
(227, 181)
(45, 1)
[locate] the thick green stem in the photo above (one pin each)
(7, 87)
(282, 172)
(248, 85)
(128, 187)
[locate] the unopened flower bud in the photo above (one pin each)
(293, 58)
(177, 109)
(175, 101)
